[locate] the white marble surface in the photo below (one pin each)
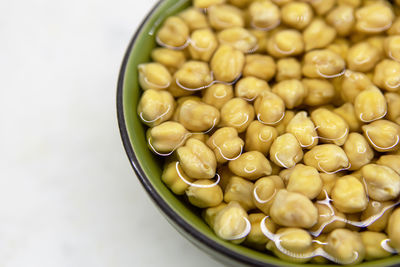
(68, 196)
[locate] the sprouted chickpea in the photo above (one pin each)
(280, 121)
(323, 64)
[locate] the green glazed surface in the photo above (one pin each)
(152, 165)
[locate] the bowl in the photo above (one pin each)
(148, 167)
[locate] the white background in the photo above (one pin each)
(68, 196)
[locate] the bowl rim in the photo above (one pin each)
(172, 216)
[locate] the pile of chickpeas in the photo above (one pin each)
(280, 120)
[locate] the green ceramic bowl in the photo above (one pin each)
(183, 217)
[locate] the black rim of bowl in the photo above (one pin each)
(142, 176)
(172, 215)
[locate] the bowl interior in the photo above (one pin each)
(149, 166)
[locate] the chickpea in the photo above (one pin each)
(237, 113)
(194, 18)
(264, 15)
(202, 45)
(391, 161)
(171, 59)
(174, 33)
(322, 7)
(378, 42)
(372, 243)
(261, 40)
(288, 68)
(259, 66)
(281, 125)
(193, 75)
(275, 169)
(383, 135)
(373, 18)
(370, 105)
(155, 107)
(240, 3)
(319, 92)
(340, 46)
(347, 112)
(286, 151)
(358, 151)
(225, 175)
(327, 158)
(178, 91)
(318, 35)
(265, 190)
(240, 190)
(232, 222)
(207, 3)
(226, 144)
(297, 15)
(217, 95)
(204, 197)
(305, 180)
(256, 237)
(259, 137)
(292, 242)
(285, 43)
(209, 214)
(173, 180)
(345, 246)
(302, 127)
(285, 175)
(387, 75)
(197, 160)
(239, 38)
(363, 57)
(349, 195)
(292, 92)
(198, 116)
(225, 16)
(292, 209)
(327, 219)
(250, 165)
(392, 47)
(250, 87)
(328, 182)
(180, 101)
(331, 127)
(393, 103)
(269, 107)
(166, 137)
(281, 2)
(380, 209)
(200, 136)
(382, 182)
(395, 28)
(227, 63)
(393, 230)
(154, 76)
(352, 84)
(322, 63)
(352, 3)
(342, 19)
